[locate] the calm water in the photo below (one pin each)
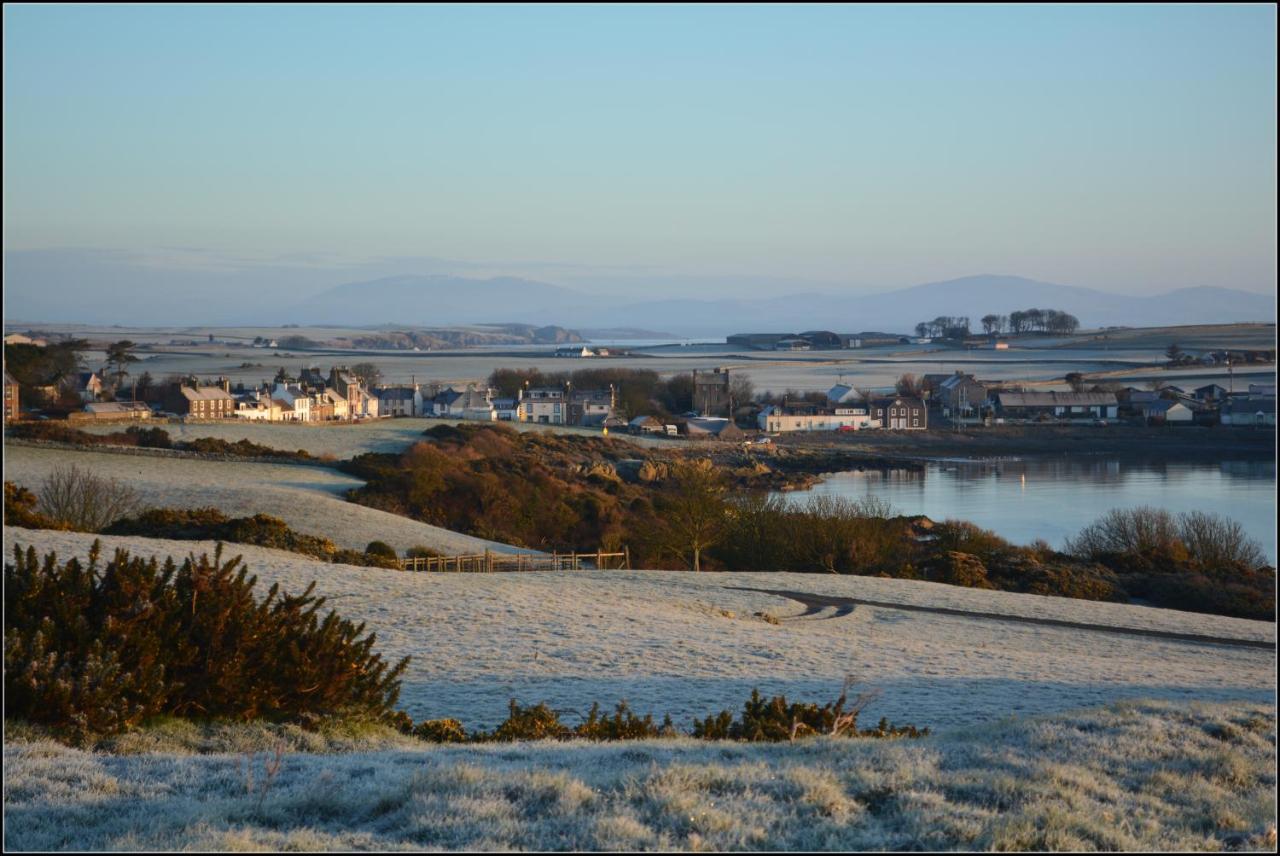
(1025, 500)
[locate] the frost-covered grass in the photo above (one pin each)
(308, 498)
(691, 644)
(1132, 776)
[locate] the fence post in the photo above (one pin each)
(598, 551)
(488, 561)
(555, 561)
(626, 551)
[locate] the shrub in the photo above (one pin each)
(440, 731)
(1216, 543)
(535, 722)
(776, 720)
(20, 509)
(1141, 531)
(92, 650)
(421, 551)
(84, 501)
(380, 548)
(623, 725)
(153, 438)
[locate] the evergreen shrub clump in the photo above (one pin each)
(96, 650)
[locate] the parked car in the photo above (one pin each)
(846, 428)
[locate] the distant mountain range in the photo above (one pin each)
(442, 299)
(101, 287)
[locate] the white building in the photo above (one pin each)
(544, 405)
(780, 420)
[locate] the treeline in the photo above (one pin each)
(1021, 321)
(1031, 321)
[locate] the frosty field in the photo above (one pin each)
(1132, 777)
(690, 645)
(1044, 737)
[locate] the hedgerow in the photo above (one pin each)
(150, 438)
(261, 530)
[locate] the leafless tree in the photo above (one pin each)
(694, 509)
(85, 501)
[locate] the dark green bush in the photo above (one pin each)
(421, 551)
(97, 650)
(535, 722)
(622, 725)
(152, 438)
(440, 731)
(20, 509)
(380, 548)
(776, 720)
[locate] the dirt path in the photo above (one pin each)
(815, 603)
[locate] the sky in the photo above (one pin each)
(1125, 148)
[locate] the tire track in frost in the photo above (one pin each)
(815, 603)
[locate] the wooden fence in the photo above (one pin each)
(491, 562)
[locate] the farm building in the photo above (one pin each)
(713, 427)
(111, 411)
(1250, 411)
(645, 425)
(1057, 405)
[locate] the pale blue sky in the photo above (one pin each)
(1126, 148)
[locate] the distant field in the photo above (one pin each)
(690, 645)
(1035, 360)
(307, 498)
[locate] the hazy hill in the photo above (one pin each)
(86, 287)
(974, 296)
(442, 299)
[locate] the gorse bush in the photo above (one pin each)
(761, 721)
(97, 650)
(381, 549)
(775, 720)
(21, 508)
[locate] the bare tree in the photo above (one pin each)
(741, 390)
(84, 501)
(909, 385)
(368, 373)
(694, 508)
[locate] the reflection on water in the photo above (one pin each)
(1053, 499)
